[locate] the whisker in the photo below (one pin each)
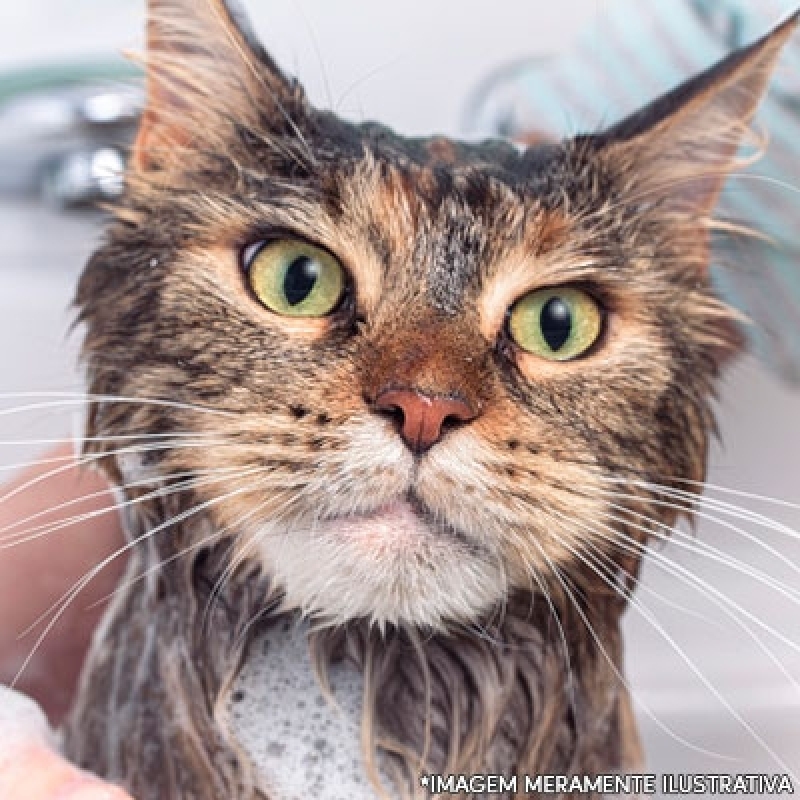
(356, 84)
(561, 634)
(693, 581)
(713, 552)
(82, 398)
(190, 484)
(635, 603)
(730, 508)
(696, 581)
(721, 601)
(216, 536)
(715, 555)
(480, 629)
(78, 458)
(703, 485)
(235, 562)
(79, 585)
(618, 674)
(88, 459)
(35, 532)
(754, 177)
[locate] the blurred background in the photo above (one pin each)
(713, 645)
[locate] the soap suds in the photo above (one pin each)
(301, 744)
(22, 722)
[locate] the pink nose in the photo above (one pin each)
(423, 416)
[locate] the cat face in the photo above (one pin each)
(408, 377)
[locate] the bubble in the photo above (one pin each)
(317, 749)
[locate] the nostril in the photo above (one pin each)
(422, 419)
(393, 412)
(451, 422)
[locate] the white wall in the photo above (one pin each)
(409, 64)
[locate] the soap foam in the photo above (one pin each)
(22, 722)
(301, 744)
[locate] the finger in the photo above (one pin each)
(33, 772)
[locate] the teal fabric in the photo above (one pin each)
(630, 54)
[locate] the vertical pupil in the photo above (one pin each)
(300, 278)
(556, 323)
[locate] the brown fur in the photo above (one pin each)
(440, 239)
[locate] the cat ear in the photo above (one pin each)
(679, 150)
(204, 68)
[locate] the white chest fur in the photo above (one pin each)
(302, 745)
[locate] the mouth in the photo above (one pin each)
(401, 562)
(402, 523)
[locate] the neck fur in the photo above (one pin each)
(537, 688)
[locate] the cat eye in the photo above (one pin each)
(294, 278)
(557, 324)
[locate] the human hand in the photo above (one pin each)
(30, 768)
(47, 544)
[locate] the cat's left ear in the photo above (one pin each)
(677, 152)
(206, 71)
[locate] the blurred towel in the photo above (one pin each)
(635, 51)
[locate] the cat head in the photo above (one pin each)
(409, 377)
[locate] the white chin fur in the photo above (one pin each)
(376, 558)
(425, 581)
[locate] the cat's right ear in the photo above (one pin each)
(206, 72)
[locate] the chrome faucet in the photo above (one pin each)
(65, 132)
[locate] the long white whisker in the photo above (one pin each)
(235, 562)
(87, 460)
(618, 674)
(720, 558)
(29, 534)
(79, 585)
(733, 510)
(534, 574)
(693, 667)
(711, 551)
(763, 498)
(721, 601)
(81, 399)
(163, 492)
(217, 535)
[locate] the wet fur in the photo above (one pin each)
(521, 674)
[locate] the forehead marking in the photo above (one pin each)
(458, 239)
(453, 250)
(431, 223)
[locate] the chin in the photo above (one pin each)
(392, 566)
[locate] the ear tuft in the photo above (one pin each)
(205, 68)
(682, 146)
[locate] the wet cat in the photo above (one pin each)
(422, 393)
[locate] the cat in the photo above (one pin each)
(426, 394)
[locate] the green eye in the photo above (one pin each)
(557, 324)
(295, 279)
